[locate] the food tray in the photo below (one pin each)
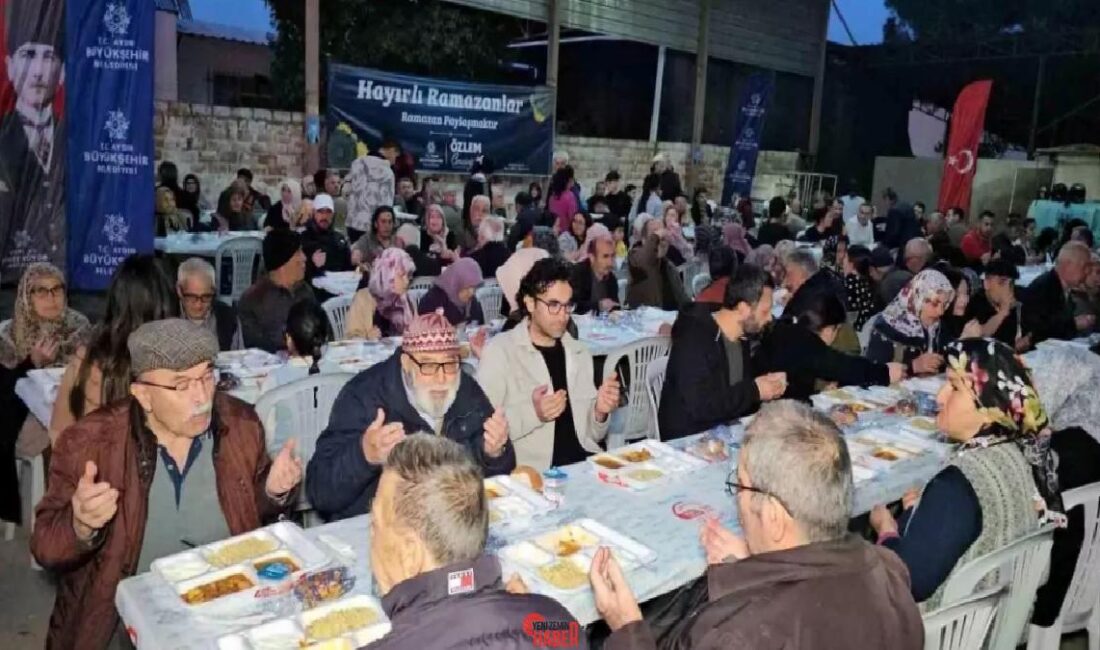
(646, 463)
(201, 565)
(247, 363)
(291, 633)
(571, 548)
(514, 504)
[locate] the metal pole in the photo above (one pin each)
(313, 86)
(655, 117)
(1035, 107)
(819, 90)
(553, 46)
(701, 53)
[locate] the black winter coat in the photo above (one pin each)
(464, 605)
(339, 480)
(697, 394)
(805, 358)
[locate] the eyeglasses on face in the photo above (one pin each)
(555, 307)
(733, 487)
(204, 298)
(432, 368)
(56, 291)
(184, 384)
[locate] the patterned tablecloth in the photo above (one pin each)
(666, 518)
(203, 244)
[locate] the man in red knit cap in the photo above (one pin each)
(420, 388)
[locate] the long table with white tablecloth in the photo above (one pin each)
(665, 518)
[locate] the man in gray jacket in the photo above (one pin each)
(427, 549)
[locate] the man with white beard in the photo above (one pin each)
(420, 388)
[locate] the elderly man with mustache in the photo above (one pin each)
(173, 466)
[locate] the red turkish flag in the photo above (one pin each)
(961, 163)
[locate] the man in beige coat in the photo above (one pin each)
(542, 377)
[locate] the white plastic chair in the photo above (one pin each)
(638, 356)
(336, 309)
(414, 297)
(423, 282)
(963, 625)
(490, 297)
(654, 383)
(698, 283)
(32, 486)
(243, 252)
(1020, 567)
(300, 410)
(1081, 608)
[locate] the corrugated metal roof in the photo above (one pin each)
(224, 32)
(180, 7)
(782, 36)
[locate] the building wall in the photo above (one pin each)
(1002, 186)
(200, 58)
(214, 141)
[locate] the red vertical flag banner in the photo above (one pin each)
(967, 121)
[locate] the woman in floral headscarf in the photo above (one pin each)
(1000, 484)
(907, 330)
(389, 284)
(42, 315)
(733, 235)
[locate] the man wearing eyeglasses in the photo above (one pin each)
(542, 377)
(420, 388)
(195, 286)
(170, 468)
(793, 577)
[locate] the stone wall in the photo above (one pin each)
(213, 142)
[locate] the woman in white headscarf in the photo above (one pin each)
(284, 214)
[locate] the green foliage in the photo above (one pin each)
(945, 20)
(427, 37)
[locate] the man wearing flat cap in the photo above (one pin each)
(171, 467)
(420, 388)
(264, 306)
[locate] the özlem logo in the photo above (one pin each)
(690, 511)
(551, 634)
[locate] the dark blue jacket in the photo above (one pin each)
(341, 483)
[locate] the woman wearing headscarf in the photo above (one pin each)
(42, 314)
(1001, 482)
(765, 257)
(860, 297)
(389, 284)
(42, 333)
(907, 331)
(453, 292)
(676, 240)
(191, 198)
(437, 240)
(543, 238)
(169, 219)
(284, 213)
(733, 235)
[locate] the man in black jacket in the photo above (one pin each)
(618, 202)
(420, 388)
(595, 288)
(428, 534)
(325, 249)
(710, 379)
(1048, 310)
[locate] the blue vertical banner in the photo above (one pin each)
(109, 68)
(751, 111)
